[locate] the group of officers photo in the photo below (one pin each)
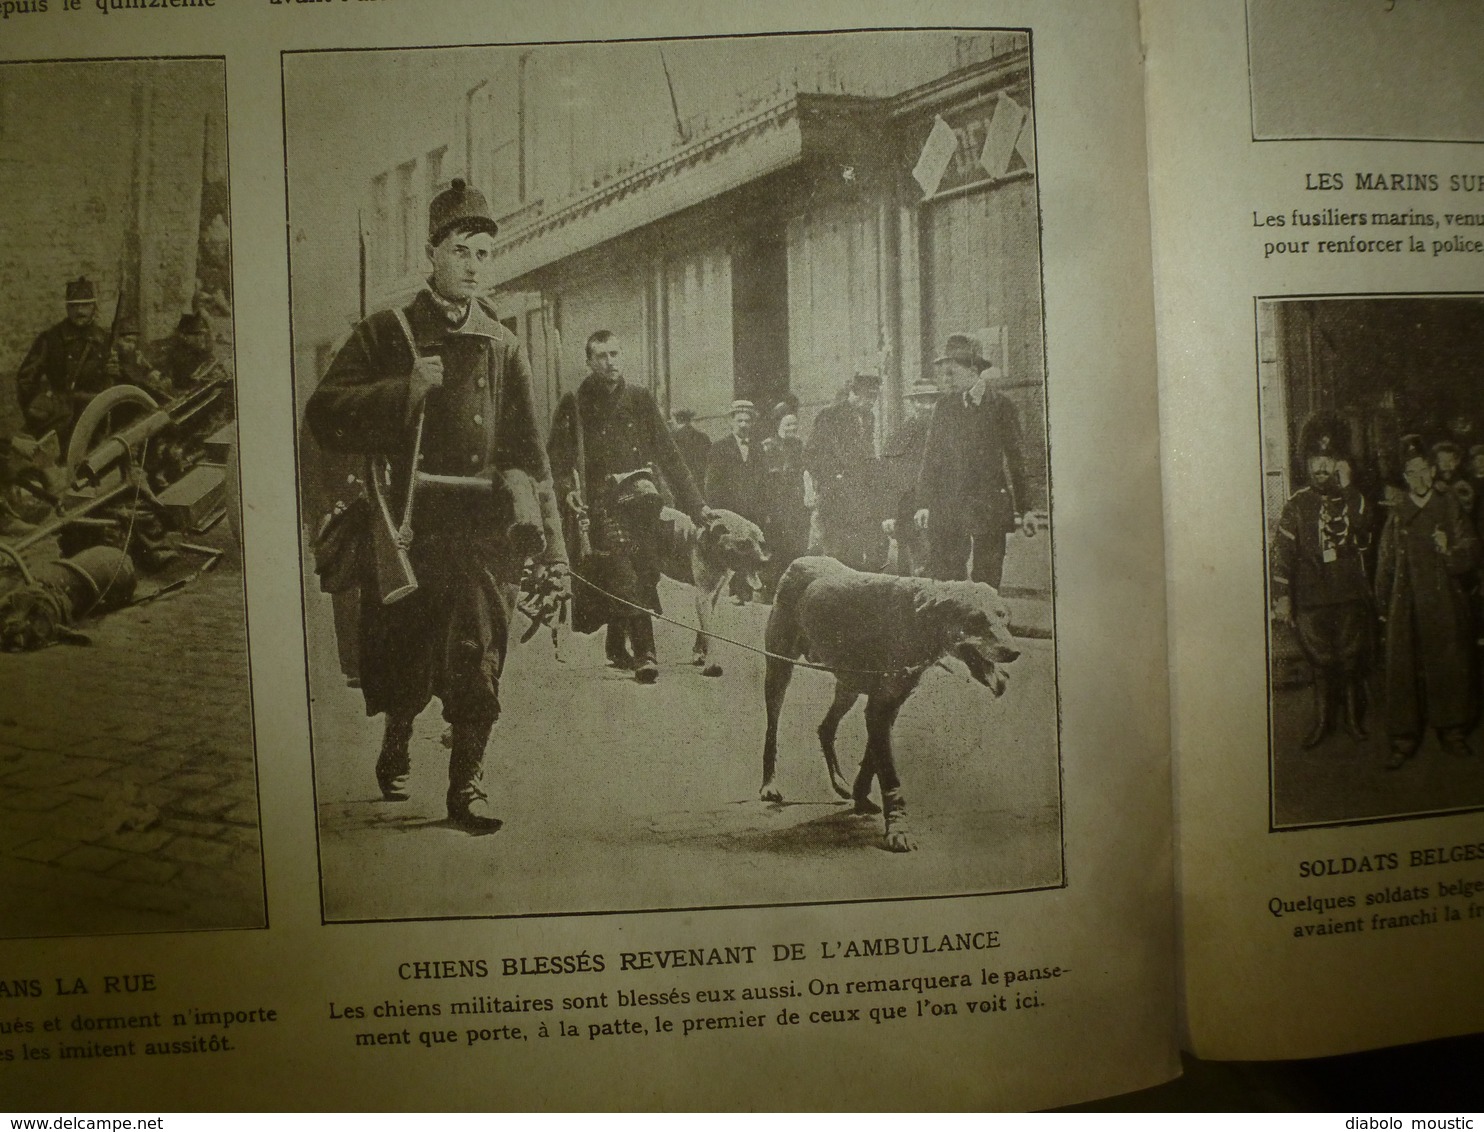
(438, 393)
(1386, 583)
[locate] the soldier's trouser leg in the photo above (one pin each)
(989, 557)
(1323, 695)
(394, 763)
(468, 805)
(615, 644)
(641, 633)
(948, 554)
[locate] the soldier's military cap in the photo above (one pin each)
(1324, 434)
(81, 290)
(460, 205)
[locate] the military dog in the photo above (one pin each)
(878, 634)
(707, 557)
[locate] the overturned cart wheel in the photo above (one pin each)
(98, 427)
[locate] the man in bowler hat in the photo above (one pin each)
(445, 369)
(972, 486)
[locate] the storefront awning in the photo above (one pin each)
(762, 144)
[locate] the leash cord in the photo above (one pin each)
(910, 671)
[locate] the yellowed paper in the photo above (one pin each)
(645, 930)
(1319, 291)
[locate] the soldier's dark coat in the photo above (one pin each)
(1428, 661)
(448, 638)
(64, 368)
(622, 431)
(1318, 563)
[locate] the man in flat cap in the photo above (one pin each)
(735, 468)
(609, 447)
(736, 477)
(442, 375)
(972, 486)
(66, 366)
(840, 457)
(1318, 575)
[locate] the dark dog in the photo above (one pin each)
(707, 557)
(878, 634)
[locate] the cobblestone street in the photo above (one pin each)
(128, 797)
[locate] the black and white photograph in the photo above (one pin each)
(675, 485)
(128, 784)
(1373, 489)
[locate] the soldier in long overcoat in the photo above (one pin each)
(1319, 581)
(445, 360)
(972, 485)
(1427, 547)
(67, 364)
(619, 431)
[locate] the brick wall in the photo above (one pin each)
(71, 137)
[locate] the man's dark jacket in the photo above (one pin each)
(622, 431)
(735, 484)
(65, 366)
(973, 467)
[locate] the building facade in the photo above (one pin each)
(744, 213)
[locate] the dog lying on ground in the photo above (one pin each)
(878, 633)
(707, 557)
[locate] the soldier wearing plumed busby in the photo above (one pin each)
(1319, 583)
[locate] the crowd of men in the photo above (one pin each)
(1388, 582)
(439, 393)
(939, 500)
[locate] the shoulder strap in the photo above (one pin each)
(406, 330)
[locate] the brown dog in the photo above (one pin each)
(707, 557)
(878, 634)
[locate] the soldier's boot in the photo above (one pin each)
(468, 806)
(394, 763)
(615, 647)
(641, 633)
(1322, 718)
(1355, 709)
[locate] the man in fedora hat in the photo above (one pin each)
(841, 459)
(445, 369)
(972, 486)
(901, 461)
(616, 430)
(1319, 580)
(67, 364)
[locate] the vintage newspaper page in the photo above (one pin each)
(837, 336)
(1316, 197)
